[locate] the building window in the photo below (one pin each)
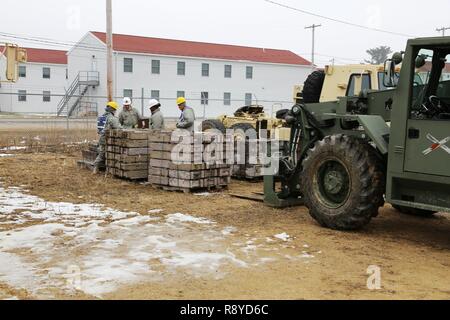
(46, 73)
(228, 69)
(227, 99)
(127, 65)
(249, 73)
(181, 68)
(181, 94)
(248, 99)
(22, 95)
(155, 94)
(156, 67)
(205, 69)
(22, 71)
(128, 93)
(46, 96)
(205, 98)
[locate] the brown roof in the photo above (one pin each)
(45, 55)
(137, 44)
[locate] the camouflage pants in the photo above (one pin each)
(100, 161)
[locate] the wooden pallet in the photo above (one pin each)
(248, 172)
(89, 165)
(190, 190)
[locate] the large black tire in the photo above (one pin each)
(414, 211)
(213, 124)
(343, 182)
(244, 131)
(312, 88)
(242, 134)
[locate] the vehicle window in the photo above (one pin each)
(431, 85)
(358, 83)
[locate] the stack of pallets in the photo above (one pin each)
(89, 157)
(186, 171)
(127, 154)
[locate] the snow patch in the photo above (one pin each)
(13, 148)
(108, 248)
(155, 211)
(283, 236)
(203, 194)
(306, 255)
(180, 217)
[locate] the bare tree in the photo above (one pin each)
(378, 55)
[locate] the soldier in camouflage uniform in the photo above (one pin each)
(106, 122)
(129, 117)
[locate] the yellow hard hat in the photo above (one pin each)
(113, 105)
(181, 100)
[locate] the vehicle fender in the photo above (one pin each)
(378, 131)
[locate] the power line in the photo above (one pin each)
(443, 29)
(313, 28)
(51, 42)
(339, 21)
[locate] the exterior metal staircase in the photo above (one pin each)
(72, 100)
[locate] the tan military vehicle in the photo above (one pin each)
(339, 81)
(320, 86)
(250, 120)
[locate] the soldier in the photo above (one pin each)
(129, 117)
(106, 122)
(187, 117)
(157, 119)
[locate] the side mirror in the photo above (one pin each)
(390, 77)
(397, 58)
(420, 61)
(389, 74)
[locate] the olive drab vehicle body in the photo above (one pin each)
(348, 156)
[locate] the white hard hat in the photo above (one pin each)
(126, 101)
(153, 103)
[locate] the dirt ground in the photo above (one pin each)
(412, 253)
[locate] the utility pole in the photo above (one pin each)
(109, 46)
(443, 29)
(313, 28)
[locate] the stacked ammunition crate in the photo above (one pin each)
(89, 157)
(127, 154)
(186, 171)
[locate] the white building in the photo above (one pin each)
(226, 76)
(41, 80)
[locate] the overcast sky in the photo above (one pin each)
(241, 22)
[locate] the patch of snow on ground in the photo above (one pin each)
(283, 236)
(95, 249)
(306, 255)
(180, 217)
(4, 155)
(228, 230)
(13, 148)
(155, 211)
(203, 194)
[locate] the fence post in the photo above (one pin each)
(142, 102)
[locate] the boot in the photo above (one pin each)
(95, 171)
